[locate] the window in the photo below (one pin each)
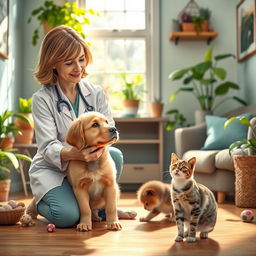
(124, 39)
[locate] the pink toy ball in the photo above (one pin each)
(247, 215)
(50, 228)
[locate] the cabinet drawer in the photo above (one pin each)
(140, 173)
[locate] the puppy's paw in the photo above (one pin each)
(84, 227)
(190, 239)
(178, 239)
(114, 226)
(204, 235)
(143, 219)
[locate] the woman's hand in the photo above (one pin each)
(88, 154)
(91, 154)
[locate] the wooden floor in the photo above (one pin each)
(231, 237)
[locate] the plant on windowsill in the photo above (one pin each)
(245, 165)
(8, 128)
(132, 91)
(8, 159)
(26, 134)
(156, 107)
(206, 82)
(51, 15)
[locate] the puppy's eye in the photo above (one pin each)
(95, 125)
(106, 121)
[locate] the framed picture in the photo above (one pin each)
(246, 29)
(4, 29)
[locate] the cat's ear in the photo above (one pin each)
(192, 163)
(150, 192)
(174, 158)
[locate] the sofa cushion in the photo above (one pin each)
(224, 161)
(219, 138)
(205, 160)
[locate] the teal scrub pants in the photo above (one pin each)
(59, 206)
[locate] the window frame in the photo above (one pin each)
(151, 35)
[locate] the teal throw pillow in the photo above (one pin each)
(220, 138)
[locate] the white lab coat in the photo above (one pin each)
(47, 171)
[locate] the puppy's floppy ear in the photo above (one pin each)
(75, 136)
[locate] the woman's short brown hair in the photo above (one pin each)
(60, 43)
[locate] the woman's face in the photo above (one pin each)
(70, 71)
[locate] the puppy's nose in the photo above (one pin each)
(112, 130)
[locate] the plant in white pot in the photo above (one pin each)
(8, 159)
(245, 165)
(26, 134)
(132, 91)
(206, 81)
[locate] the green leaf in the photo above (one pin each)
(23, 157)
(219, 72)
(244, 120)
(240, 100)
(13, 159)
(187, 80)
(229, 121)
(173, 111)
(203, 67)
(178, 74)
(224, 88)
(223, 56)
(208, 54)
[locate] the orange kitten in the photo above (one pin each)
(156, 198)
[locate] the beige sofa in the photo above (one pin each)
(214, 168)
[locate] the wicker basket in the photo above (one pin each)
(11, 217)
(245, 168)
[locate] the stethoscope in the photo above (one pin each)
(61, 101)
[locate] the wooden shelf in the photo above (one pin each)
(192, 36)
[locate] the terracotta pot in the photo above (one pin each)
(4, 190)
(131, 107)
(6, 142)
(190, 27)
(27, 130)
(156, 109)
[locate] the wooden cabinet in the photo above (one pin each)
(141, 141)
(192, 36)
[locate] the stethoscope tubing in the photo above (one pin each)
(61, 101)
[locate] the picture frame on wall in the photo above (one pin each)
(246, 29)
(4, 5)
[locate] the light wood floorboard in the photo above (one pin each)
(231, 237)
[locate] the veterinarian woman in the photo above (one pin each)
(63, 97)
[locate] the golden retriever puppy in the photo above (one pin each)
(94, 183)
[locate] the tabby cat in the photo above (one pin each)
(194, 204)
(156, 198)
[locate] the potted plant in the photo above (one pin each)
(245, 165)
(8, 128)
(51, 15)
(206, 82)
(205, 13)
(8, 159)
(156, 107)
(177, 119)
(26, 134)
(131, 91)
